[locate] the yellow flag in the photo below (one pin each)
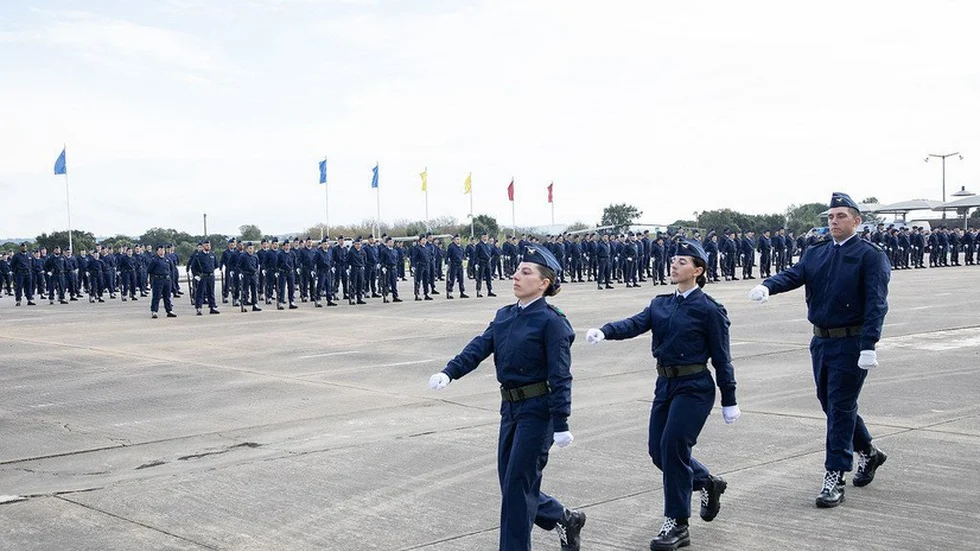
(468, 184)
(425, 179)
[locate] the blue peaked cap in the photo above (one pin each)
(542, 256)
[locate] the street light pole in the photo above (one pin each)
(943, 157)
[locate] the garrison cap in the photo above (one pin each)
(232, 240)
(206, 242)
(840, 199)
(199, 243)
(161, 245)
(686, 247)
(308, 238)
(275, 239)
(542, 256)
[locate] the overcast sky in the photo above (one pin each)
(171, 108)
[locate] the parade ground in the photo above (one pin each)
(315, 429)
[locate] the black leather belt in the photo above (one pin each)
(525, 392)
(837, 332)
(680, 370)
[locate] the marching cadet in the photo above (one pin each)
(389, 270)
(421, 262)
(455, 257)
(954, 246)
(846, 283)
(202, 265)
(325, 274)
(969, 246)
(711, 247)
(37, 274)
(160, 270)
(509, 251)
(630, 253)
(270, 270)
(688, 328)
(531, 346)
(658, 254)
(55, 268)
(248, 269)
(372, 266)
(307, 265)
(174, 259)
(790, 249)
(496, 260)
(779, 249)
(110, 259)
(228, 276)
(471, 260)
(71, 276)
(143, 258)
(286, 269)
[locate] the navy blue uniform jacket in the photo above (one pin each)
(528, 347)
(844, 288)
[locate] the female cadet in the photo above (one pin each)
(688, 327)
(531, 346)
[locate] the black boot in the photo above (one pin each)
(256, 308)
(868, 463)
(832, 493)
(569, 530)
(711, 497)
(673, 535)
(171, 315)
(213, 311)
(464, 295)
(396, 299)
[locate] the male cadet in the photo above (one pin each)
(969, 243)
(630, 253)
(286, 278)
(6, 274)
(143, 258)
(228, 257)
(340, 267)
(95, 268)
(263, 249)
(603, 253)
(21, 265)
(748, 254)
(484, 255)
(728, 253)
(455, 258)
(904, 248)
(471, 261)
(790, 249)
(496, 260)
(765, 253)
(954, 246)
(323, 260)
(372, 266)
(202, 266)
(658, 256)
(509, 252)
(575, 259)
(779, 249)
(248, 272)
(400, 249)
(433, 265)
(421, 261)
(355, 261)
(846, 282)
(270, 270)
(111, 260)
(711, 247)
(160, 270)
(307, 264)
(37, 273)
(388, 259)
(55, 268)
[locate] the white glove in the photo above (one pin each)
(594, 336)
(263, 272)
(731, 414)
(49, 274)
(563, 439)
(197, 278)
(868, 359)
(439, 381)
(312, 274)
(759, 293)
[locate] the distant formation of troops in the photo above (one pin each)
(330, 271)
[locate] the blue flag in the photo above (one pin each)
(374, 179)
(61, 165)
(323, 171)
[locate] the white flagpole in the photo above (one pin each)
(326, 204)
(67, 197)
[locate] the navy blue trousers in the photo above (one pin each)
(455, 275)
(160, 287)
(526, 435)
(390, 273)
(681, 406)
(839, 381)
(204, 290)
(324, 285)
(287, 286)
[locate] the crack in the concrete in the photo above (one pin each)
(219, 452)
(151, 464)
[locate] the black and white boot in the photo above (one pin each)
(673, 535)
(832, 493)
(868, 463)
(569, 530)
(711, 497)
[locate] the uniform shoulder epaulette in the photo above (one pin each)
(664, 295)
(556, 309)
(821, 243)
(712, 299)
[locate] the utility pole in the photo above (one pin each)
(943, 157)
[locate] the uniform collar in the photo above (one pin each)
(525, 307)
(841, 244)
(688, 292)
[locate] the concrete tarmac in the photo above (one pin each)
(314, 428)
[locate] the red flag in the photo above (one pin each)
(510, 190)
(551, 185)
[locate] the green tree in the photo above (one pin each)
(576, 226)
(800, 218)
(80, 240)
(621, 215)
(250, 232)
(119, 240)
(485, 223)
